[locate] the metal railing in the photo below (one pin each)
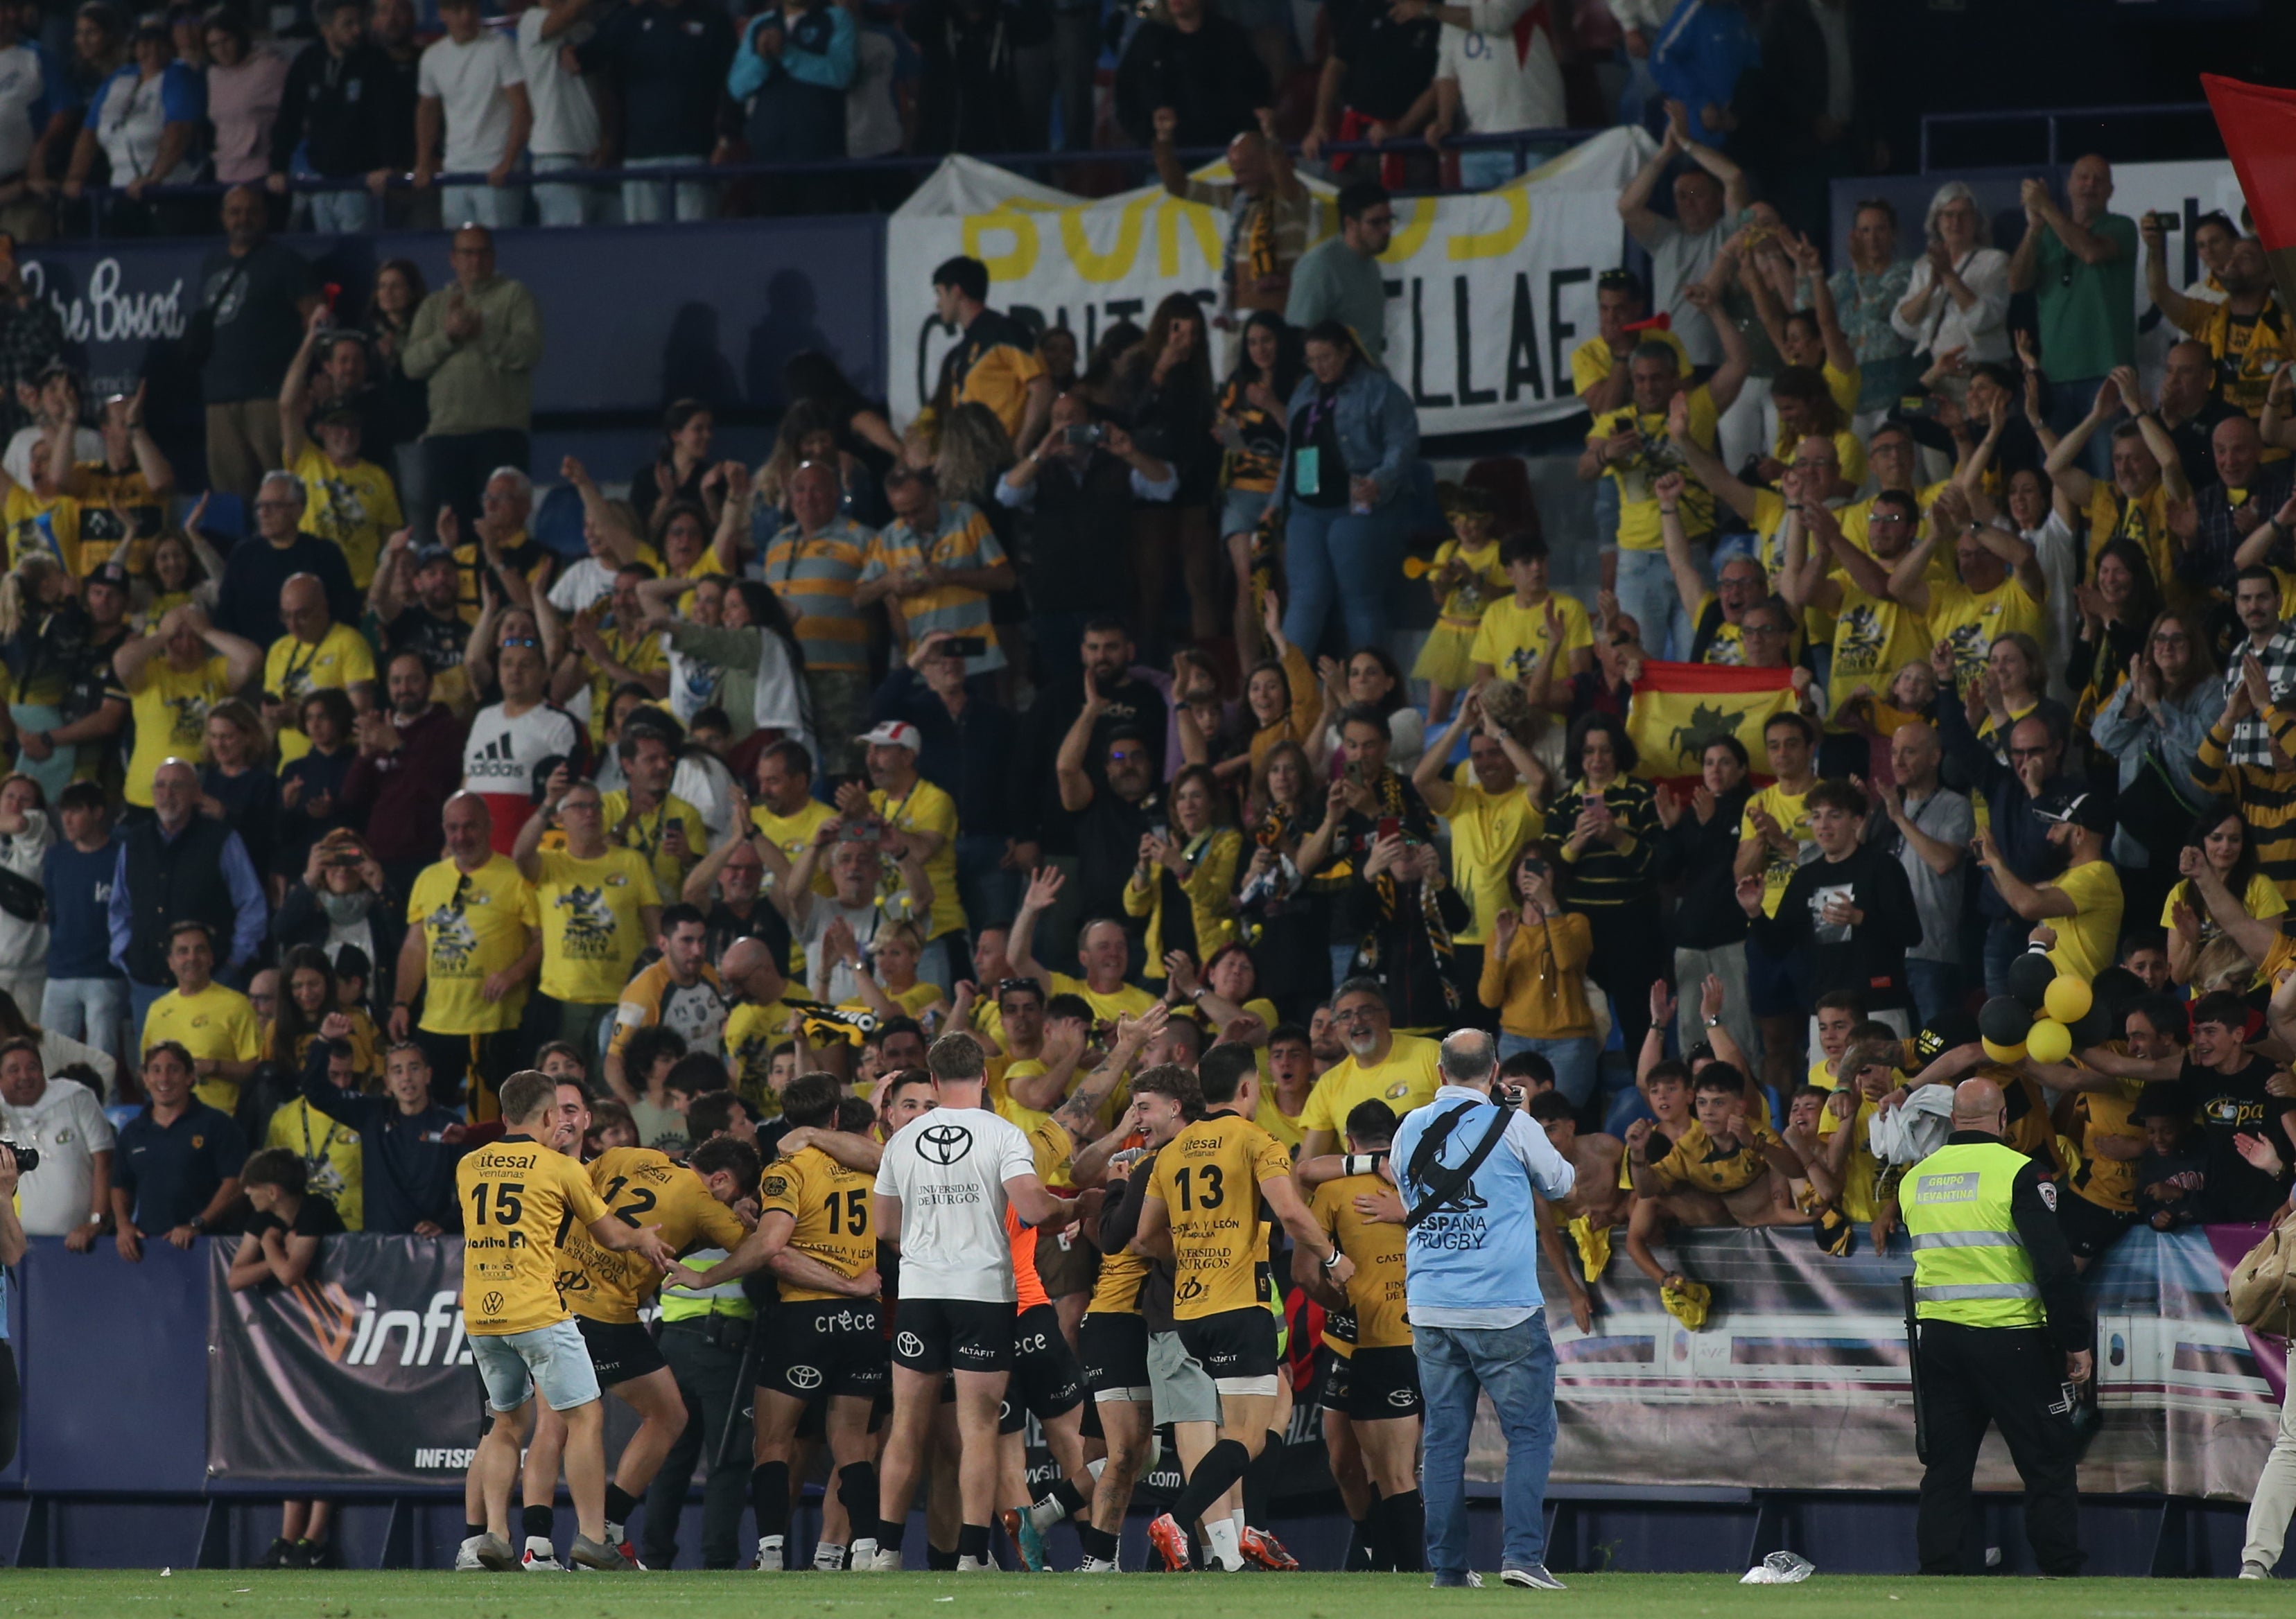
(1132, 165)
(2055, 119)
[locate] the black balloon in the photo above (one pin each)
(2006, 1020)
(2029, 977)
(2094, 1027)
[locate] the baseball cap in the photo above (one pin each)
(895, 733)
(2088, 810)
(111, 574)
(430, 556)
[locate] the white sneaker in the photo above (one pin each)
(769, 1554)
(969, 1566)
(881, 1563)
(2248, 1571)
(487, 1553)
(1097, 1565)
(541, 1558)
(861, 1554)
(828, 1558)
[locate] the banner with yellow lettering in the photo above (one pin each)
(1679, 708)
(1488, 292)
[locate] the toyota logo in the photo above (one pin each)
(805, 1377)
(944, 1143)
(910, 1346)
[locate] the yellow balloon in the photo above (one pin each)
(2050, 1041)
(2067, 1001)
(2004, 1053)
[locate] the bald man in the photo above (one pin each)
(315, 654)
(2005, 1334)
(1930, 825)
(180, 865)
(473, 949)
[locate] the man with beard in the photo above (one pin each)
(417, 598)
(409, 758)
(473, 942)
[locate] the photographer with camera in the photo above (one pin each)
(63, 1147)
(1081, 481)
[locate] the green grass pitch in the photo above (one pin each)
(146, 1594)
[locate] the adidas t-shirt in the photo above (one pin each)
(948, 1168)
(498, 761)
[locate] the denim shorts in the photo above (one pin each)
(1241, 509)
(552, 1359)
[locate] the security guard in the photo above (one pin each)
(1990, 1268)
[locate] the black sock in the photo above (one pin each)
(1221, 1466)
(472, 1531)
(1259, 1480)
(890, 1532)
(1374, 1534)
(973, 1541)
(857, 1487)
(1073, 1501)
(539, 1522)
(769, 1497)
(1358, 1558)
(941, 1562)
(1096, 1543)
(619, 1504)
(1404, 1534)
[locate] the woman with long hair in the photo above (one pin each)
(1602, 833)
(1534, 978)
(972, 451)
(184, 568)
(2222, 836)
(681, 460)
(761, 667)
(399, 292)
(1185, 883)
(1164, 389)
(681, 532)
(1251, 407)
(2117, 610)
(1282, 696)
(234, 785)
(1372, 676)
(1286, 919)
(307, 994)
(44, 636)
(2151, 728)
(2010, 687)
(27, 829)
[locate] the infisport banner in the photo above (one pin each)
(1797, 1380)
(360, 1372)
(1679, 708)
(1488, 292)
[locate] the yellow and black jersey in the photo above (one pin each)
(1209, 1179)
(1700, 1165)
(1116, 1289)
(992, 364)
(640, 1187)
(2107, 1182)
(521, 1203)
(1375, 1291)
(830, 1204)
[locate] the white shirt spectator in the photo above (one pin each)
(586, 582)
(30, 91)
(565, 111)
(469, 81)
(498, 760)
(131, 113)
(1677, 260)
(948, 1168)
(24, 944)
(66, 1128)
(1981, 331)
(1506, 68)
(872, 118)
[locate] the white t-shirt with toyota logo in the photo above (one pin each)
(948, 1168)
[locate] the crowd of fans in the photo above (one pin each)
(397, 116)
(1079, 696)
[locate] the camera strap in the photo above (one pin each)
(1444, 1182)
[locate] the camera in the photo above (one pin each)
(2159, 220)
(1085, 434)
(27, 1158)
(1509, 1097)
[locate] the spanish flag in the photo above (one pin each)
(2259, 126)
(1679, 708)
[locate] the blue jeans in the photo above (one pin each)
(2004, 942)
(92, 1010)
(563, 205)
(650, 201)
(1343, 957)
(1572, 1060)
(1332, 554)
(498, 207)
(1935, 985)
(1515, 1367)
(347, 213)
(1606, 513)
(1646, 591)
(1482, 169)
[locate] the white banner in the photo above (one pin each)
(1488, 293)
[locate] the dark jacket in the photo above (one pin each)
(2023, 837)
(1700, 857)
(301, 921)
(337, 108)
(172, 882)
(1212, 79)
(410, 1166)
(247, 604)
(400, 795)
(969, 96)
(974, 756)
(1871, 960)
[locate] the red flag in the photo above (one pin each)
(1677, 708)
(2259, 126)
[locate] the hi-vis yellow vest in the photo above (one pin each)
(1970, 1266)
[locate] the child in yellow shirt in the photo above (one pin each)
(1467, 577)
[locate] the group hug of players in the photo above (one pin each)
(904, 1329)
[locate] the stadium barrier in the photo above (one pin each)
(1784, 1422)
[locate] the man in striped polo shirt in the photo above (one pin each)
(813, 565)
